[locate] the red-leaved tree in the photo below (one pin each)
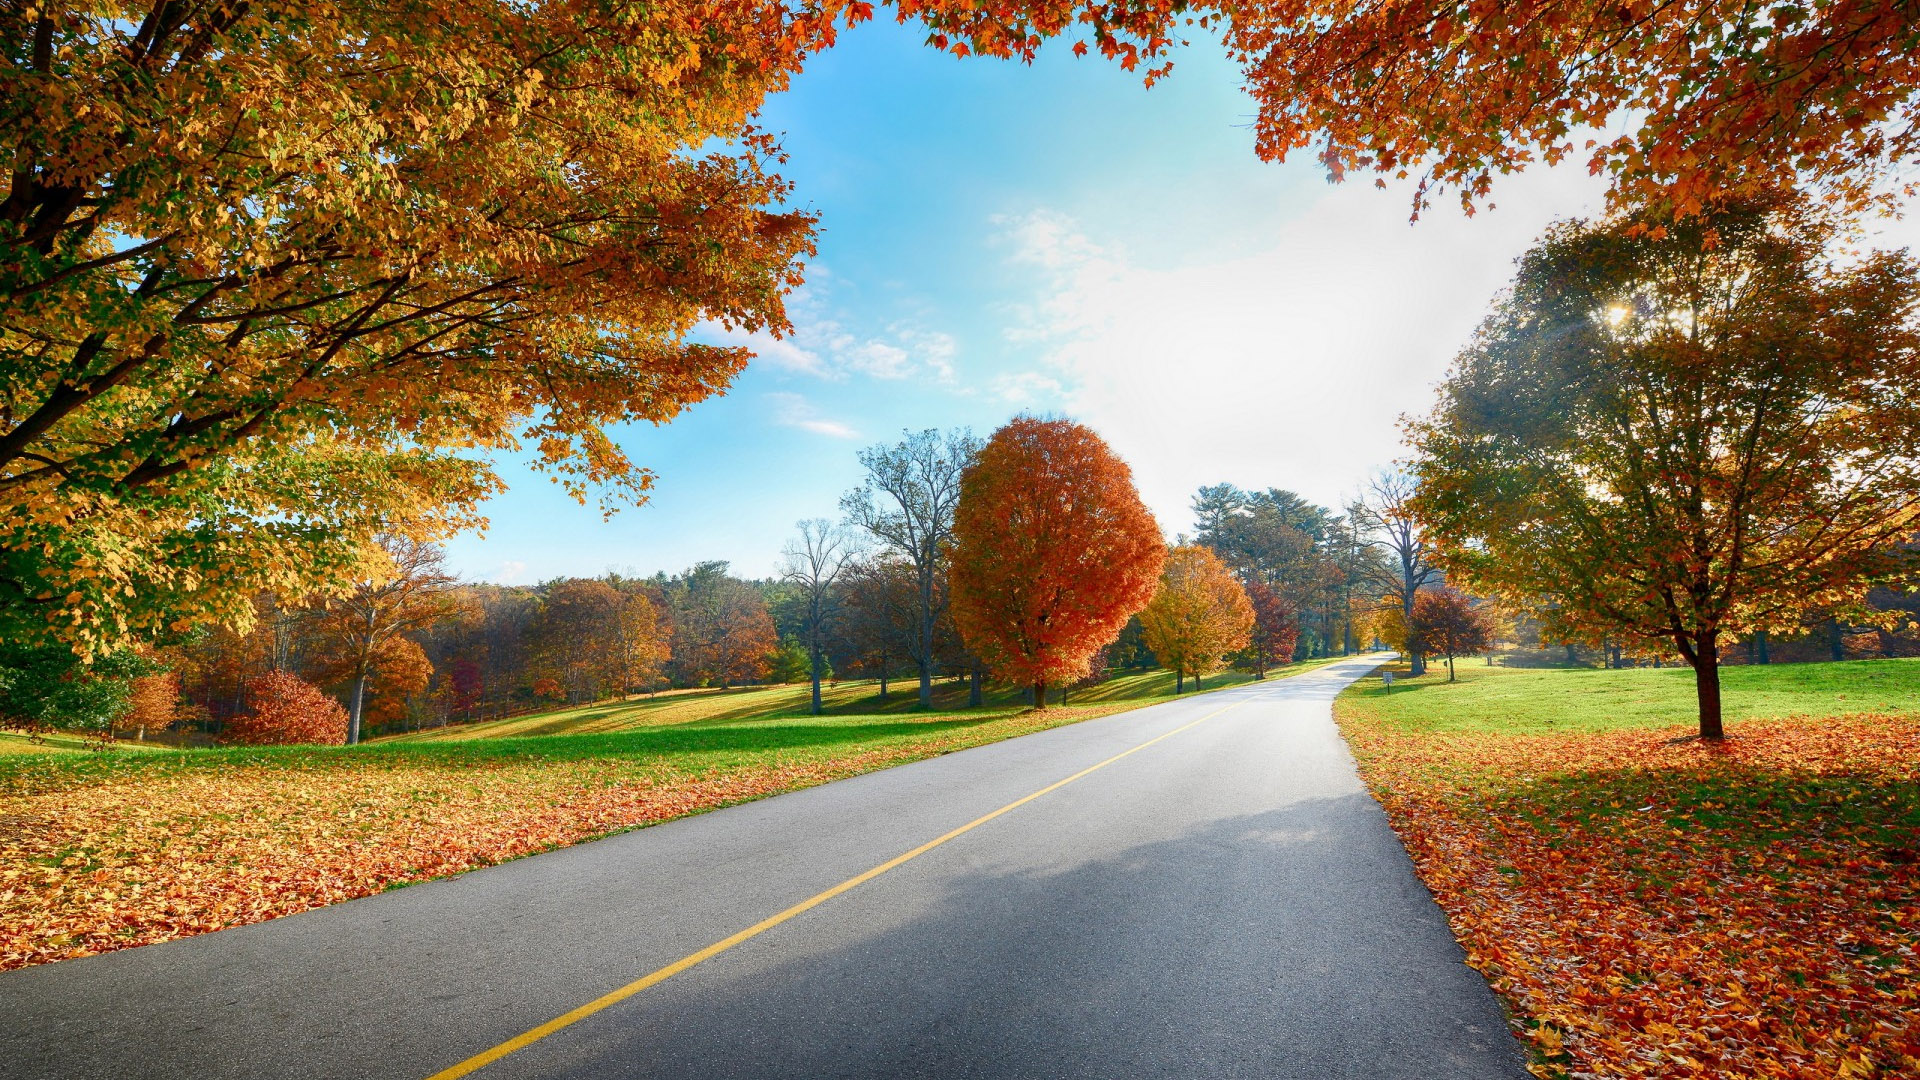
(1276, 630)
(287, 709)
(1053, 551)
(1446, 623)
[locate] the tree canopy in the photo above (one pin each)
(1674, 439)
(268, 270)
(1198, 614)
(1053, 551)
(1684, 103)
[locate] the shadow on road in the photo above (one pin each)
(1285, 944)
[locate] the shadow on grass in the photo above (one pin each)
(664, 744)
(1738, 805)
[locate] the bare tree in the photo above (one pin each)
(907, 504)
(815, 562)
(1387, 514)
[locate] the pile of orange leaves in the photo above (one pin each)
(142, 855)
(1649, 905)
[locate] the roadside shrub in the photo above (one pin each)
(287, 709)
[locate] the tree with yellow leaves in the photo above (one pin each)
(271, 273)
(1199, 615)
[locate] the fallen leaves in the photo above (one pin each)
(146, 853)
(1652, 906)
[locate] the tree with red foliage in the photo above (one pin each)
(1275, 630)
(1446, 622)
(287, 709)
(1053, 551)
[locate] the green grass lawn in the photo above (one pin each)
(12, 742)
(674, 735)
(850, 699)
(1540, 700)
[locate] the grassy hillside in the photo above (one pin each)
(848, 699)
(12, 742)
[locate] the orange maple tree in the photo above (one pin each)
(154, 704)
(1198, 615)
(1053, 551)
(287, 709)
(412, 592)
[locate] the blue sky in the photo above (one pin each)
(1054, 238)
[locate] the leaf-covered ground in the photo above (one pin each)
(101, 851)
(1652, 906)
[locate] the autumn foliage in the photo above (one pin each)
(1053, 551)
(1275, 630)
(154, 704)
(285, 708)
(1685, 438)
(1446, 623)
(1198, 614)
(1725, 98)
(1668, 908)
(254, 252)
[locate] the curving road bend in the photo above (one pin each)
(1225, 902)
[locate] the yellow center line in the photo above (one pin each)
(528, 1038)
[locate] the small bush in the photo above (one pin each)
(287, 709)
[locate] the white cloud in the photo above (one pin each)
(795, 411)
(782, 353)
(510, 572)
(879, 359)
(1025, 387)
(821, 345)
(932, 350)
(1287, 366)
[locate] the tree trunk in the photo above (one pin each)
(883, 676)
(1449, 667)
(1416, 663)
(814, 671)
(1572, 656)
(1065, 689)
(925, 659)
(1179, 680)
(1196, 681)
(1706, 683)
(1836, 645)
(973, 688)
(1760, 648)
(1039, 695)
(359, 697)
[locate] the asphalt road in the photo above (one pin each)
(1227, 902)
